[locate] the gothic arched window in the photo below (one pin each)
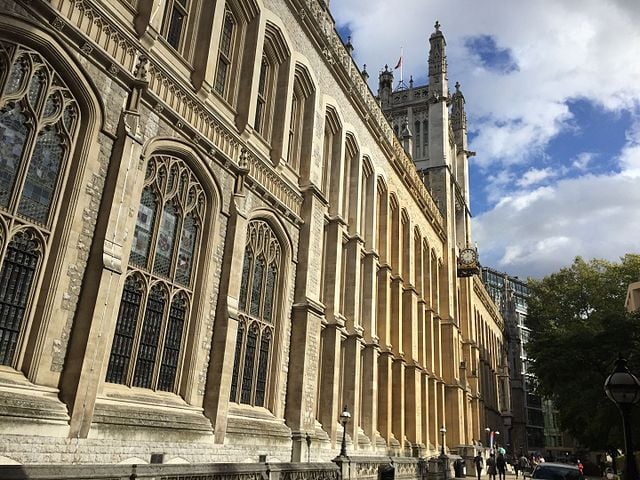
(256, 329)
(38, 126)
(158, 293)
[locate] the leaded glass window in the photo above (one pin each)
(225, 55)
(261, 101)
(261, 383)
(149, 337)
(39, 120)
(175, 23)
(125, 331)
(249, 360)
(13, 137)
(19, 267)
(41, 177)
(164, 253)
(258, 294)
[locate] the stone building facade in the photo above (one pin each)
(211, 241)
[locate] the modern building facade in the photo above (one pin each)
(527, 432)
(212, 241)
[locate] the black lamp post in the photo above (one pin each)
(496, 433)
(344, 419)
(442, 432)
(488, 430)
(623, 389)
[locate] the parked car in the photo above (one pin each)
(555, 471)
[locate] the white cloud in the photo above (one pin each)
(534, 176)
(539, 218)
(535, 233)
(582, 160)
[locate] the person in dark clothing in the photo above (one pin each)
(501, 465)
(491, 466)
(478, 461)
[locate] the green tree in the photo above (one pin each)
(578, 327)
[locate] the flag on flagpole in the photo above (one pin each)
(399, 64)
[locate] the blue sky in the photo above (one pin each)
(553, 99)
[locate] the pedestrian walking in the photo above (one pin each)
(501, 465)
(491, 466)
(523, 464)
(478, 460)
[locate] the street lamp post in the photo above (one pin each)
(345, 416)
(496, 433)
(623, 389)
(442, 432)
(488, 430)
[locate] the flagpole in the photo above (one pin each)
(401, 63)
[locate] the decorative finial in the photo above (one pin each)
(386, 67)
(349, 45)
(364, 73)
(437, 26)
(457, 87)
(411, 81)
(243, 170)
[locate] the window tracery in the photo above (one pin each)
(38, 126)
(158, 292)
(256, 327)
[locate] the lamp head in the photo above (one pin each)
(345, 416)
(443, 430)
(622, 387)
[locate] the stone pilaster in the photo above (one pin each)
(205, 60)
(352, 376)
(307, 316)
(398, 399)
(370, 387)
(220, 371)
(414, 409)
(371, 350)
(330, 376)
(90, 341)
(385, 412)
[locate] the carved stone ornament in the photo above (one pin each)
(58, 23)
(86, 48)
